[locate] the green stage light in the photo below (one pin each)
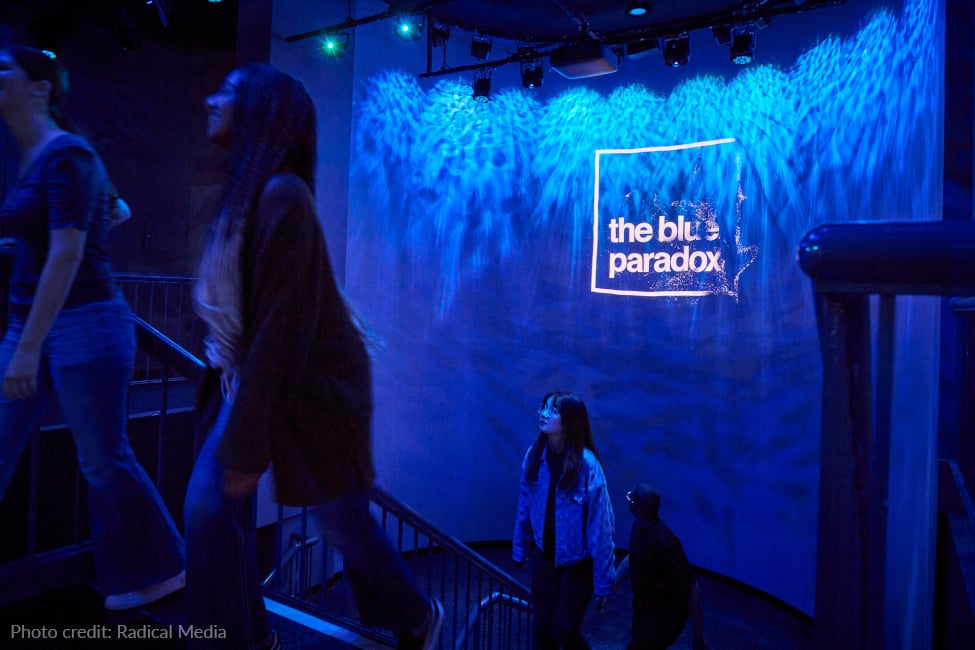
(335, 45)
(409, 28)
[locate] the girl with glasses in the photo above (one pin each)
(565, 523)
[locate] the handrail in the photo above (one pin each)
(468, 585)
(477, 585)
(485, 603)
(445, 541)
(916, 257)
(162, 347)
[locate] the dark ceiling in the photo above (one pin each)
(565, 21)
(539, 25)
(542, 26)
(210, 24)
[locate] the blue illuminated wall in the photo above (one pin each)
(471, 246)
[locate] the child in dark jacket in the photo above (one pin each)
(665, 591)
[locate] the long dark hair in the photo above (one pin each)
(272, 130)
(43, 65)
(578, 436)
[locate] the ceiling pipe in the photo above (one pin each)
(584, 27)
(416, 8)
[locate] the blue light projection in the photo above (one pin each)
(482, 179)
(470, 244)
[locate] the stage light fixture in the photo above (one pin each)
(482, 86)
(531, 74)
(637, 9)
(335, 45)
(409, 28)
(743, 46)
(480, 46)
(439, 34)
(677, 51)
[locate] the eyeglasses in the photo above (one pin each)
(629, 496)
(549, 410)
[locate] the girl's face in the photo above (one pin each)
(220, 110)
(549, 419)
(15, 85)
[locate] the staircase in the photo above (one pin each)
(46, 552)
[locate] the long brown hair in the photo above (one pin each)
(272, 130)
(578, 436)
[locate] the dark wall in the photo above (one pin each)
(139, 100)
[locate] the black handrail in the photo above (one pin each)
(407, 515)
(163, 348)
(915, 257)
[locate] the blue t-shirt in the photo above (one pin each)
(65, 187)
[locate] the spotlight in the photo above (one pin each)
(637, 9)
(480, 46)
(482, 86)
(531, 74)
(439, 34)
(743, 46)
(409, 28)
(677, 51)
(335, 45)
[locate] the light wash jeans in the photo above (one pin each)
(223, 588)
(86, 362)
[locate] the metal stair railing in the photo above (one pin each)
(488, 604)
(165, 303)
(484, 607)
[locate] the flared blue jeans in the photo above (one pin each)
(86, 363)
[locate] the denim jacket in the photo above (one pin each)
(584, 520)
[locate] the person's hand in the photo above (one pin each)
(240, 484)
(600, 603)
(20, 378)
(519, 563)
(119, 212)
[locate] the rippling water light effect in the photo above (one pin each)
(467, 182)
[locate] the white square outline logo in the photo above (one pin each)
(595, 215)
